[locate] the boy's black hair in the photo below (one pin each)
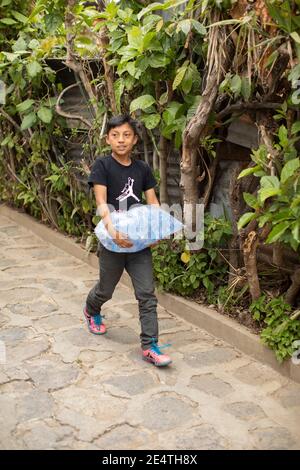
(117, 121)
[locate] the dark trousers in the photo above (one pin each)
(140, 269)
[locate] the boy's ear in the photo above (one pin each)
(136, 138)
(107, 139)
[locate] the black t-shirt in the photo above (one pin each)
(125, 184)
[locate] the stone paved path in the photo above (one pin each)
(64, 388)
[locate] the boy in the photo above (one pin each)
(118, 183)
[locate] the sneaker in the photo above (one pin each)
(154, 355)
(94, 323)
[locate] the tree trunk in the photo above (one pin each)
(292, 292)
(103, 41)
(249, 250)
(234, 252)
(197, 126)
(155, 160)
(163, 165)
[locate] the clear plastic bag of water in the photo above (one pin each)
(144, 225)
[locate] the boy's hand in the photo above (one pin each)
(122, 240)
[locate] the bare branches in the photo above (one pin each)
(76, 117)
(247, 106)
(10, 119)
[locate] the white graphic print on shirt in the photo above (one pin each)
(127, 191)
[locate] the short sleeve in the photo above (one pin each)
(98, 174)
(149, 179)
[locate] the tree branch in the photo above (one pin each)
(76, 117)
(245, 106)
(10, 119)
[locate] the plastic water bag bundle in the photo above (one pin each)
(144, 225)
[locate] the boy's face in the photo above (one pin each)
(122, 139)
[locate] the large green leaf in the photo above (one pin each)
(33, 69)
(250, 200)
(148, 40)
(25, 105)
(249, 171)
(294, 73)
(151, 121)
(127, 53)
(245, 219)
(277, 232)
(270, 182)
(28, 121)
(160, 6)
(281, 215)
(131, 69)
(10, 56)
(295, 36)
(184, 26)
(33, 44)
(119, 86)
(283, 136)
(169, 115)
(45, 114)
(246, 88)
(8, 21)
(135, 38)
(19, 45)
(180, 75)
(187, 81)
(295, 127)
(265, 193)
(21, 18)
(142, 102)
(158, 60)
(53, 21)
(200, 28)
(281, 14)
(236, 84)
(289, 169)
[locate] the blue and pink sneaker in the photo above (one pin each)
(155, 356)
(95, 324)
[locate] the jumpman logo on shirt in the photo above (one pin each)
(127, 191)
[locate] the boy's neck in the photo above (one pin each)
(122, 159)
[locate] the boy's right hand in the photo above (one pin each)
(122, 240)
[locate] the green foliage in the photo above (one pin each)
(151, 60)
(278, 197)
(45, 189)
(183, 272)
(281, 330)
(236, 86)
(228, 298)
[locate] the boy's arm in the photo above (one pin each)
(101, 201)
(102, 208)
(151, 197)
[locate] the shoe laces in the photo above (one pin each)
(157, 349)
(97, 319)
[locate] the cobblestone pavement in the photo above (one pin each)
(64, 388)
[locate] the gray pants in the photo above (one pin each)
(139, 267)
